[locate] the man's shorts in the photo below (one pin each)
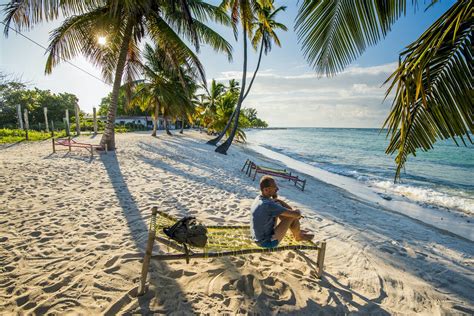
(269, 244)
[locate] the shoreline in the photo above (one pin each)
(73, 232)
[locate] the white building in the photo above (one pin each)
(146, 121)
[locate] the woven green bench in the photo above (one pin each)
(222, 241)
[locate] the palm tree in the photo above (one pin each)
(265, 26)
(233, 86)
(241, 10)
(125, 24)
(265, 32)
(225, 107)
(214, 92)
(433, 82)
(168, 79)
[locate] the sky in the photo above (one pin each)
(286, 92)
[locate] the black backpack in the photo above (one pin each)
(187, 231)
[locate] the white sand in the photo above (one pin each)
(73, 230)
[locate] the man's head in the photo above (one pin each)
(268, 187)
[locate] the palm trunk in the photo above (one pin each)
(108, 138)
(256, 70)
(214, 141)
(222, 149)
(155, 120)
(166, 124)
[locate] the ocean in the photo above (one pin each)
(441, 178)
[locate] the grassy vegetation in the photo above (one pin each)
(17, 135)
(8, 135)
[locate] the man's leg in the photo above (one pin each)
(286, 223)
(293, 224)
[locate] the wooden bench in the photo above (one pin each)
(68, 142)
(222, 241)
(250, 166)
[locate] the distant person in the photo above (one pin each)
(271, 217)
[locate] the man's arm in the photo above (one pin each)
(283, 203)
(291, 213)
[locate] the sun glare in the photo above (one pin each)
(102, 40)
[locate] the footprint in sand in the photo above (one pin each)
(22, 300)
(111, 262)
(35, 233)
(278, 290)
(101, 235)
(246, 284)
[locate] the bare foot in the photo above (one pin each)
(305, 236)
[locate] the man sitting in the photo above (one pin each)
(266, 209)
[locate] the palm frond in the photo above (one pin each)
(205, 34)
(168, 40)
(204, 12)
(434, 87)
(333, 33)
(77, 35)
(26, 13)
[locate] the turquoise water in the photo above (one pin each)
(443, 177)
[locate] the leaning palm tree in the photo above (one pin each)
(125, 24)
(264, 34)
(241, 10)
(265, 27)
(433, 82)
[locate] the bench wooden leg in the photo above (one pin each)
(321, 254)
(245, 165)
(148, 252)
(255, 174)
(249, 168)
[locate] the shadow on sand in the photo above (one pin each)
(139, 230)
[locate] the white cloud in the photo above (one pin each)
(353, 98)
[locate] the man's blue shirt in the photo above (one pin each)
(264, 213)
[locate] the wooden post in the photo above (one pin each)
(69, 143)
(52, 128)
(68, 132)
(78, 123)
(95, 120)
(321, 254)
(54, 148)
(148, 251)
(27, 125)
(20, 119)
(45, 111)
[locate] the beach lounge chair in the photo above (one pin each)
(281, 173)
(222, 241)
(68, 142)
